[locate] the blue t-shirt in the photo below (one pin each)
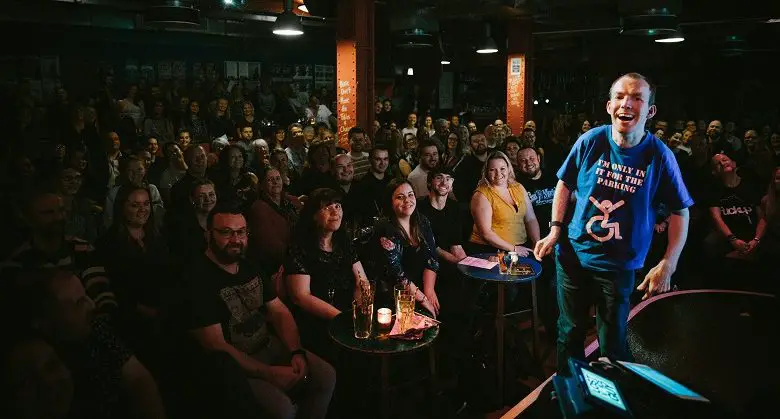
(618, 191)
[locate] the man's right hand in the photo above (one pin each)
(545, 246)
(283, 377)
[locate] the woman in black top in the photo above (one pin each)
(233, 182)
(322, 268)
(186, 232)
(135, 256)
(407, 247)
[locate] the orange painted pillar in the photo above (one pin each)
(519, 74)
(355, 66)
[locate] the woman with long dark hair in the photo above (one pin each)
(132, 171)
(135, 256)
(322, 268)
(234, 183)
(407, 246)
(194, 123)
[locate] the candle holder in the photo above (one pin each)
(384, 318)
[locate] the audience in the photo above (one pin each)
(94, 265)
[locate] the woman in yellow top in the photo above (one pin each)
(503, 215)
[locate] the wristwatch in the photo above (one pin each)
(556, 224)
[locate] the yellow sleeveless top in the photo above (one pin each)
(507, 222)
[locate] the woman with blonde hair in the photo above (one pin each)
(504, 218)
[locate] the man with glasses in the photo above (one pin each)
(229, 308)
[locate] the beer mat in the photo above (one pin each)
(521, 269)
(478, 263)
(420, 323)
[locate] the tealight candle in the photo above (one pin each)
(384, 317)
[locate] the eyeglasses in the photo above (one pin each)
(228, 233)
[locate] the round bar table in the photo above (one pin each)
(342, 331)
(501, 280)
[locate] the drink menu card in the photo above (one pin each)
(478, 263)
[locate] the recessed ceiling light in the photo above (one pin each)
(303, 8)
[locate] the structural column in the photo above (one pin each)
(355, 66)
(519, 74)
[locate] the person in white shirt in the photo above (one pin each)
(357, 142)
(411, 125)
(429, 159)
(319, 113)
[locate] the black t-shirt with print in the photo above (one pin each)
(444, 222)
(231, 300)
(541, 192)
(738, 207)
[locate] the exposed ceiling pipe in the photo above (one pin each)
(617, 28)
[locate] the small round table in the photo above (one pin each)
(342, 331)
(494, 275)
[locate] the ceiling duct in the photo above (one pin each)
(649, 17)
(414, 28)
(172, 13)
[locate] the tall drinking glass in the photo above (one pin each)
(399, 290)
(362, 319)
(405, 312)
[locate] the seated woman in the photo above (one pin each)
(322, 268)
(271, 220)
(504, 218)
(233, 182)
(135, 256)
(317, 172)
(132, 172)
(407, 248)
(186, 233)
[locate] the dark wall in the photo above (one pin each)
(82, 49)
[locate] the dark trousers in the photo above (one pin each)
(578, 290)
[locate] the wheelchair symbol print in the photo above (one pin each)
(606, 206)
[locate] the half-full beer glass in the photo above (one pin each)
(362, 318)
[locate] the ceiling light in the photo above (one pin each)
(445, 61)
(773, 21)
(228, 2)
(547, 101)
(288, 23)
(488, 45)
(654, 22)
(303, 8)
(672, 38)
(410, 71)
(536, 102)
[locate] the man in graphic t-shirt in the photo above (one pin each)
(618, 174)
(540, 185)
(229, 309)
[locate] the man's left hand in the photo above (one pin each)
(299, 365)
(658, 280)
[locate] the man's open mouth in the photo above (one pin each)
(626, 117)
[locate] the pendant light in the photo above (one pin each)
(288, 23)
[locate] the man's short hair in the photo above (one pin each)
(355, 131)
(189, 153)
(378, 147)
(223, 208)
(436, 171)
(337, 156)
(527, 147)
(529, 130)
(182, 131)
(426, 143)
(244, 124)
(636, 76)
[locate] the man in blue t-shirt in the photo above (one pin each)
(619, 174)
